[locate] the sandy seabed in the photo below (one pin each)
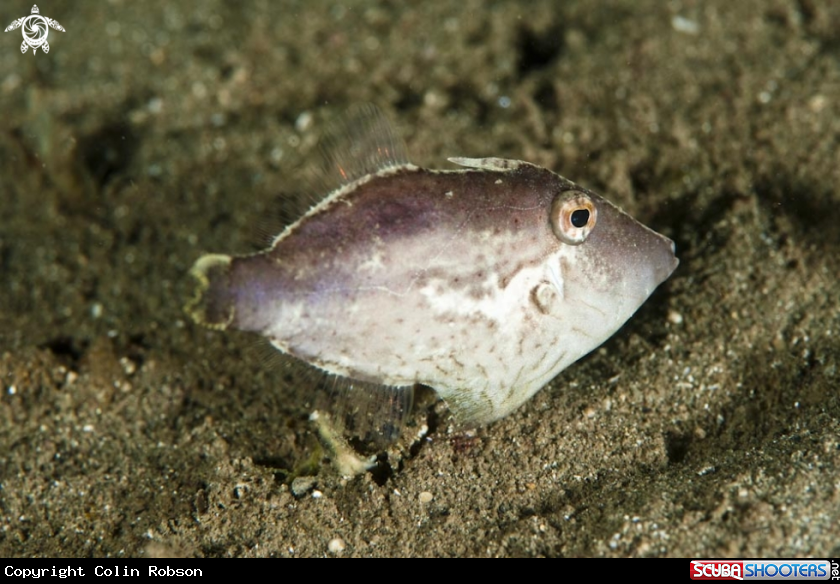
(152, 133)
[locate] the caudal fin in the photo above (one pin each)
(212, 306)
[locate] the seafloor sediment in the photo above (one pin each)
(152, 133)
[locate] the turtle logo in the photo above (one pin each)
(35, 30)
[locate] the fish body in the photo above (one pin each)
(481, 283)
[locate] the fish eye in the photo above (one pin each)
(573, 215)
(580, 217)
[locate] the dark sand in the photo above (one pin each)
(150, 134)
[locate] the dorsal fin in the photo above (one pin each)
(489, 163)
(361, 143)
(355, 144)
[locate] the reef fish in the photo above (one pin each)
(482, 283)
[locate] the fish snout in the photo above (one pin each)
(638, 258)
(664, 260)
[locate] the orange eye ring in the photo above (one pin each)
(573, 215)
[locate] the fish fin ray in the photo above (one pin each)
(373, 413)
(360, 143)
(211, 306)
(470, 410)
(498, 164)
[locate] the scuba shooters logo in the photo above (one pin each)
(764, 570)
(716, 570)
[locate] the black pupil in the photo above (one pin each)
(580, 218)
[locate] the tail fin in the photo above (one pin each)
(212, 306)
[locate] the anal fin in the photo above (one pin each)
(372, 413)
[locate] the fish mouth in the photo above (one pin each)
(666, 264)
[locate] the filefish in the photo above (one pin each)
(482, 283)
